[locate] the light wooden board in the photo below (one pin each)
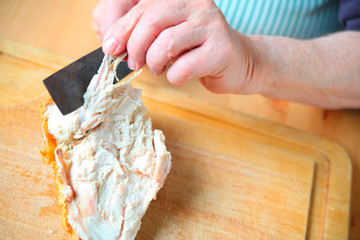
(233, 176)
(65, 27)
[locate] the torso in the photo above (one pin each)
(301, 19)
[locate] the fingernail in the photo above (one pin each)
(110, 45)
(131, 63)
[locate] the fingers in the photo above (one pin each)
(194, 35)
(172, 42)
(151, 24)
(196, 63)
(117, 36)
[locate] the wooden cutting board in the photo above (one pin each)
(233, 176)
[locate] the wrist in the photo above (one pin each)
(262, 68)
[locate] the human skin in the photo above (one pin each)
(195, 37)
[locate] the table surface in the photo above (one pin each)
(65, 27)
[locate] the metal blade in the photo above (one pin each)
(68, 85)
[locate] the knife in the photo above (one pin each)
(68, 85)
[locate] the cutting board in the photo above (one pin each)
(233, 177)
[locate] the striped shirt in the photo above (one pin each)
(301, 19)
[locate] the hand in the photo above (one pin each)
(194, 36)
(107, 12)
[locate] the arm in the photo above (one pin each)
(196, 38)
(324, 72)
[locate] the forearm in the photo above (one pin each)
(323, 72)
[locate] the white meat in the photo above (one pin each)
(110, 160)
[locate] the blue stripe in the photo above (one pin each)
(335, 16)
(288, 11)
(324, 22)
(239, 14)
(296, 30)
(268, 20)
(279, 18)
(293, 18)
(254, 14)
(222, 4)
(264, 14)
(315, 20)
(226, 7)
(248, 17)
(234, 9)
(241, 20)
(306, 24)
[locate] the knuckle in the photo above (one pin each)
(174, 78)
(167, 36)
(137, 54)
(137, 10)
(133, 51)
(153, 60)
(184, 71)
(206, 4)
(168, 42)
(152, 17)
(118, 31)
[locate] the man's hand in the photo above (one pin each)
(194, 36)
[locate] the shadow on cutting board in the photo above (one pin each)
(164, 218)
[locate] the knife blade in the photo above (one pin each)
(68, 85)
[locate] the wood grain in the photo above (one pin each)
(227, 182)
(64, 27)
(234, 176)
(53, 24)
(223, 186)
(21, 73)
